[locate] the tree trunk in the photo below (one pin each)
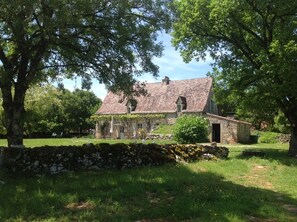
(289, 108)
(14, 115)
(15, 128)
(293, 142)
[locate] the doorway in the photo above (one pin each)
(216, 132)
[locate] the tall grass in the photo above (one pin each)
(237, 189)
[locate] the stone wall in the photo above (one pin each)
(231, 131)
(243, 133)
(170, 118)
(284, 138)
(155, 136)
(53, 160)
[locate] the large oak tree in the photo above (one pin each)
(254, 42)
(111, 40)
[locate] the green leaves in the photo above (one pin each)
(108, 40)
(254, 45)
(127, 117)
(51, 110)
(112, 41)
(191, 129)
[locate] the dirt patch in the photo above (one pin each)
(257, 219)
(152, 198)
(259, 167)
(80, 206)
(255, 178)
(290, 208)
(153, 220)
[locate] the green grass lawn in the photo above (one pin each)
(237, 189)
(76, 141)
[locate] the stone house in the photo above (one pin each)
(120, 117)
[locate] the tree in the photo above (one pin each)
(249, 110)
(191, 129)
(254, 42)
(110, 40)
(45, 112)
(79, 106)
(50, 109)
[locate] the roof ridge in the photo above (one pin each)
(180, 80)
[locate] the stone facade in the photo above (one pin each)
(124, 129)
(228, 131)
(221, 129)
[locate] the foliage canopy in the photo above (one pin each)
(255, 45)
(49, 109)
(112, 41)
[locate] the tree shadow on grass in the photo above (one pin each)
(272, 154)
(168, 193)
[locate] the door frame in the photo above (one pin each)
(216, 133)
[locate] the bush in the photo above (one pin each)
(269, 137)
(191, 129)
(281, 124)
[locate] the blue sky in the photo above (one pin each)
(170, 64)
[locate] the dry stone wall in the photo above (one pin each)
(53, 160)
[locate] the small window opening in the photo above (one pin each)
(181, 103)
(131, 105)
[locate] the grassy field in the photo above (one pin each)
(75, 141)
(237, 189)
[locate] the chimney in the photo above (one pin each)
(166, 80)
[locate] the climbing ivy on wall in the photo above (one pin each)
(127, 117)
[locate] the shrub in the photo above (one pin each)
(269, 137)
(281, 124)
(191, 129)
(142, 133)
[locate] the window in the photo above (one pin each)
(139, 125)
(181, 104)
(131, 105)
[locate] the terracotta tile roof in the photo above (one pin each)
(227, 119)
(162, 97)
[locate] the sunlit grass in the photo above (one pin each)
(78, 141)
(164, 129)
